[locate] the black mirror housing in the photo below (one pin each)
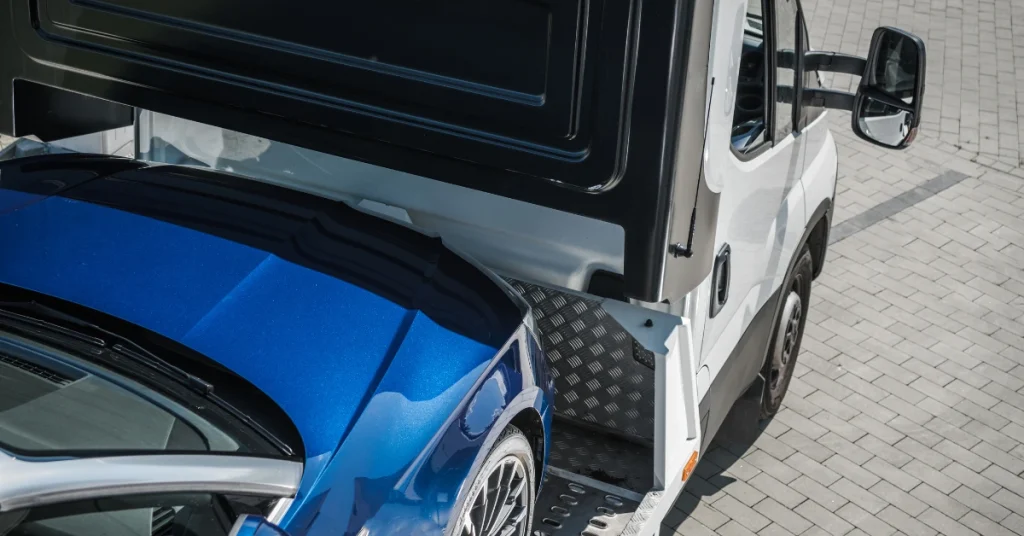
(887, 107)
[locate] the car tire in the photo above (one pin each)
(507, 478)
(787, 334)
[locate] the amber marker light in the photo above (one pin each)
(690, 465)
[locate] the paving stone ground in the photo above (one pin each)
(906, 412)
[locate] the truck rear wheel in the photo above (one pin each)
(787, 334)
(502, 495)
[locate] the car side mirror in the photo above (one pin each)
(887, 107)
(253, 525)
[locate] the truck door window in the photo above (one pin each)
(807, 112)
(750, 116)
(786, 12)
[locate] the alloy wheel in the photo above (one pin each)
(500, 504)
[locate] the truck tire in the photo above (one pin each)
(787, 333)
(503, 491)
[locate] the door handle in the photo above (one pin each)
(721, 275)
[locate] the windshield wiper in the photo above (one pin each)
(98, 337)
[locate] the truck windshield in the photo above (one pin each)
(53, 403)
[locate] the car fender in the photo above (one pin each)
(370, 484)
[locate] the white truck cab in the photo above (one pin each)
(655, 177)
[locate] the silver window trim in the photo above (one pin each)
(279, 510)
(27, 483)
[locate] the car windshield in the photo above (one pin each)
(52, 403)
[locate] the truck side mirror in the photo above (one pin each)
(253, 525)
(887, 107)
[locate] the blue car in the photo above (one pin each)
(189, 352)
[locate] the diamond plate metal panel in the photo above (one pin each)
(608, 459)
(643, 513)
(602, 375)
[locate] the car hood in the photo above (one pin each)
(307, 299)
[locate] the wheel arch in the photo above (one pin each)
(530, 423)
(816, 235)
(530, 410)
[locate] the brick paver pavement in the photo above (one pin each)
(906, 412)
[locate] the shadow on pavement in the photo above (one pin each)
(736, 436)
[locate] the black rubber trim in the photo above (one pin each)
(824, 210)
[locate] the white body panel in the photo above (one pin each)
(765, 201)
(820, 164)
(762, 211)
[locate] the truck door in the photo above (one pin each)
(758, 165)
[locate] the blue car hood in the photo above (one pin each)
(307, 299)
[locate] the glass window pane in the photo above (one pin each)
(750, 115)
(785, 50)
(808, 113)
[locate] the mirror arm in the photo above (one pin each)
(829, 98)
(822, 98)
(834, 62)
(888, 99)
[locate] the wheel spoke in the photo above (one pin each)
(500, 519)
(502, 498)
(499, 507)
(511, 517)
(480, 511)
(496, 501)
(518, 488)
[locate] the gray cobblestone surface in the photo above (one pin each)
(906, 412)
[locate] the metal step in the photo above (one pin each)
(571, 504)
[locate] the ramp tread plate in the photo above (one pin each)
(567, 507)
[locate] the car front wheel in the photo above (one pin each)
(501, 500)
